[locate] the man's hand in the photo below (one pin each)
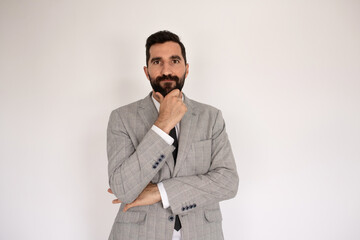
(172, 109)
(148, 196)
(115, 201)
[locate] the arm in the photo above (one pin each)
(131, 169)
(219, 183)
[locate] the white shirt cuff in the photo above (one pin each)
(169, 140)
(163, 194)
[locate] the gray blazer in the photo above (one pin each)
(205, 172)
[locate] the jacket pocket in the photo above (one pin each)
(131, 217)
(213, 215)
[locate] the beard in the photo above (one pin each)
(168, 86)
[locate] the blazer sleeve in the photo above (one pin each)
(130, 167)
(187, 193)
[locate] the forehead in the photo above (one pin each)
(165, 50)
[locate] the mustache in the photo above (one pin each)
(167, 77)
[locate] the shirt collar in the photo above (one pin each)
(156, 103)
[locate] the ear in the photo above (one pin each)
(186, 70)
(146, 72)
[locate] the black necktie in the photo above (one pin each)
(175, 144)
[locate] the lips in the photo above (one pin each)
(167, 77)
(167, 81)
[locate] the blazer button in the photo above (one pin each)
(154, 166)
(187, 208)
(162, 156)
(171, 218)
(194, 205)
(182, 209)
(160, 159)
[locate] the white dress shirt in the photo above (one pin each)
(169, 140)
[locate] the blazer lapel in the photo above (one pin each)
(147, 111)
(187, 130)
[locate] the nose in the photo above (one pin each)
(166, 69)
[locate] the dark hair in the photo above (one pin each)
(161, 37)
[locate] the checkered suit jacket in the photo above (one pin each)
(204, 174)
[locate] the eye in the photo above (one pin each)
(156, 62)
(176, 61)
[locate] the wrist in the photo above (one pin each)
(157, 191)
(163, 126)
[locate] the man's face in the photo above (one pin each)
(166, 69)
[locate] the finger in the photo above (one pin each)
(109, 191)
(174, 93)
(116, 201)
(127, 206)
(159, 96)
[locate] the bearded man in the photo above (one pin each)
(170, 160)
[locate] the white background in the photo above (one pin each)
(286, 75)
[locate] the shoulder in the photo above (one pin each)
(202, 108)
(128, 113)
(128, 108)
(133, 107)
(119, 115)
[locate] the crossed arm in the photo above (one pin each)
(131, 170)
(148, 196)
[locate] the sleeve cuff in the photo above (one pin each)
(164, 196)
(169, 140)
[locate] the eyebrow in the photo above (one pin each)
(175, 57)
(155, 59)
